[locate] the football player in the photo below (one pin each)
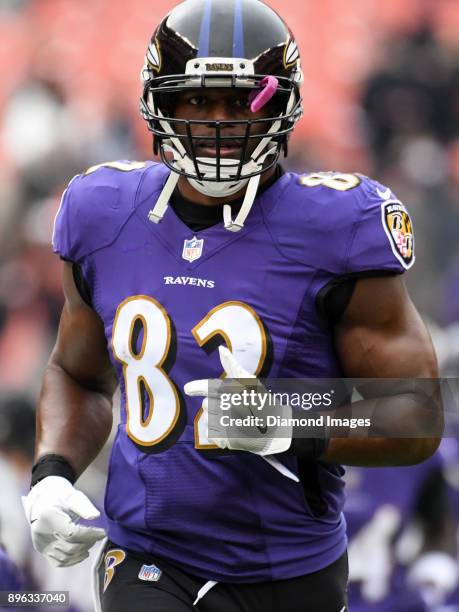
(217, 247)
(402, 529)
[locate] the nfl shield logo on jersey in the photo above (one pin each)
(150, 573)
(192, 249)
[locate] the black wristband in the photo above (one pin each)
(52, 465)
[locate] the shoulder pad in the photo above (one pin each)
(313, 222)
(382, 239)
(95, 206)
(345, 224)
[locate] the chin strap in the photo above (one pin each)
(250, 195)
(156, 214)
(238, 223)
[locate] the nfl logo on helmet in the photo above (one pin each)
(192, 249)
(150, 573)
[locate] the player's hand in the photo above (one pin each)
(53, 508)
(435, 575)
(261, 440)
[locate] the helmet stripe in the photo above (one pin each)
(204, 35)
(238, 32)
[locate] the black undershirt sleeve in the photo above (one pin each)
(81, 284)
(338, 299)
(333, 299)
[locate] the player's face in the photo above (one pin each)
(219, 105)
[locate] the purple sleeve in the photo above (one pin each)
(93, 210)
(382, 238)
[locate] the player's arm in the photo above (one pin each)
(74, 419)
(381, 335)
(74, 416)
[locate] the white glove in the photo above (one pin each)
(435, 575)
(264, 440)
(53, 508)
(260, 444)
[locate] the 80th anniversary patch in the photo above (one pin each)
(399, 229)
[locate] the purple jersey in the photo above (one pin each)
(167, 297)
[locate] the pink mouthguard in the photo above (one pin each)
(258, 99)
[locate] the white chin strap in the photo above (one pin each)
(207, 167)
(250, 194)
(156, 214)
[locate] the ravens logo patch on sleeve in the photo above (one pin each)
(399, 229)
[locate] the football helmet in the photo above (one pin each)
(239, 44)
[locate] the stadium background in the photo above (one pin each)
(381, 97)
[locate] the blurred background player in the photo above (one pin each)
(402, 527)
